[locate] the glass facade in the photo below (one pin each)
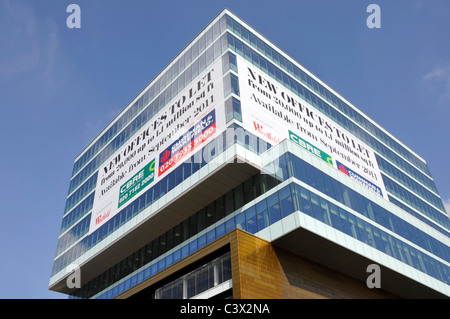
(77, 238)
(198, 281)
(226, 214)
(276, 73)
(263, 200)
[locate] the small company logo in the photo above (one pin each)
(164, 156)
(151, 167)
(342, 169)
(260, 129)
(101, 218)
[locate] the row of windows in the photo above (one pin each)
(198, 66)
(81, 192)
(340, 219)
(282, 203)
(345, 195)
(307, 95)
(171, 73)
(234, 134)
(422, 218)
(214, 212)
(75, 233)
(407, 181)
(304, 78)
(197, 281)
(415, 202)
(78, 212)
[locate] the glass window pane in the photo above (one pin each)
(220, 208)
(238, 196)
(345, 225)
(274, 208)
(240, 221)
(229, 225)
(329, 190)
(193, 224)
(324, 210)
(300, 170)
(338, 194)
(178, 175)
(229, 203)
(201, 219)
(362, 231)
(320, 181)
(310, 178)
(249, 191)
(370, 239)
(305, 202)
(262, 214)
(334, 215)
(353, 226)
(250, 216)
(210, 215)
(315, 201)
(287, 207)
(220, 230)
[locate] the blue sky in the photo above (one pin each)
(60, 87)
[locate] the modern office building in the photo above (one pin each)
(237, 173)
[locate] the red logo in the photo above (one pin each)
(101, 218)
(342, 169)
(164, 156)
(260, 129)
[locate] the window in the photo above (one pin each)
(274, 208)
(315, 201)
(240, 221)
(345, 225)
(234, 84)
(310, 178)
(238, 196)
(324, 211)
(304, 201)
(262, 214)
(229, 205)
(198, 280)
(287, 206)
(300, 169)
(250, 216)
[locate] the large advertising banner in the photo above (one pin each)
(273, 112)
(179, 130)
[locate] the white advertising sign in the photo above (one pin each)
(273, 112)
(179, 130)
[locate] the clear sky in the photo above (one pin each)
(60, 87)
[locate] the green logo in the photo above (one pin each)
(138, 182)
(310, 148)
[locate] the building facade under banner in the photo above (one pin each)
(237, 173)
